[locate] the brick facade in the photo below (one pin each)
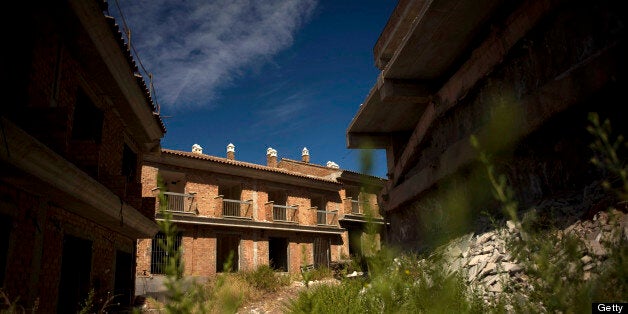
(259, 235)
(62, 182)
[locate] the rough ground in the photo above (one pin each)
(274, 302)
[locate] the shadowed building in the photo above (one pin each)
(76, 122)
(521, 75)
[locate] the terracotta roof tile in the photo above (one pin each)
(243, 164)
(321, 166)
(124, 47)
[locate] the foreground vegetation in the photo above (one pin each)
(551, 259)
(423, 283)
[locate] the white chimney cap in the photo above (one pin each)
(272, 152)
(305, 152)
(197, 149)
(332, 164)
(230, 147)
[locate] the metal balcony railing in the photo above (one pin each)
(327, 218)
(284, 213)
(180, 202)
(237, 209)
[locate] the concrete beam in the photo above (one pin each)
(482, 62)
(39, 170)
(567, 89)
(249, 224)
(393, 91)
(439, 34)
(368, 140)
(396, 28)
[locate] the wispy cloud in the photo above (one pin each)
(195, 48)
(279, 113)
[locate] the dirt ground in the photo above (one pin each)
(275, 302)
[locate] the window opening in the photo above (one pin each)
(159, 255)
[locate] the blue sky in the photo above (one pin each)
(283, 74)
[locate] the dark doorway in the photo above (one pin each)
(5, 236)
(227, 251)
(355, 242)
(123, 286)
(278, 253)
(321, 252)
(76, 268)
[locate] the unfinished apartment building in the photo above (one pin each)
(521, 76)
(285, 214)
(75, 122)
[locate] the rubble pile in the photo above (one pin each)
(488, 267)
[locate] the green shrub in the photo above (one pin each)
(265, 278)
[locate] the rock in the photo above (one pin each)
(497, 287)
(586, 259)
(473, 271)
(597, 249)
(483, 238)
(511, 226)
(511, 267)
(489, 280)
(586, 275)
(488, 270)
(477, 259)
(487, 249)
(588, 267)
(496, 257)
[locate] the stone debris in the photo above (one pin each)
(488, 267)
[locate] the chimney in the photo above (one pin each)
(197, 149)
(231, 151)
(305, 155)
(271, 157)
(332, 164)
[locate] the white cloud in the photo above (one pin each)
(194, 48)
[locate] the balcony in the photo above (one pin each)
(358, 207)
(180, 202)
(327, 218)
(237, 209)
(284, 213)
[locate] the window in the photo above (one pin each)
(320, 204)
(88, 119)
(159, 256)
(129, 163)
(230, 191)
(278, 197)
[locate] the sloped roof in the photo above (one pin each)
(244, 164)
(124, 47)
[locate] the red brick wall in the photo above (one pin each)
(199, 242)
(36, 246)
(305, 168)
(38, 229)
